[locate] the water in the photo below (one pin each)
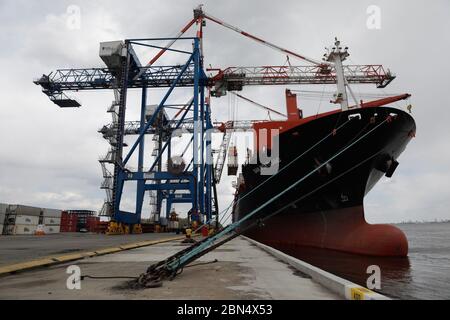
(424, 274)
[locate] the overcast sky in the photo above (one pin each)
(48, 156)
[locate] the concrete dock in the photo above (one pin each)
(16, 249)
(243, 271)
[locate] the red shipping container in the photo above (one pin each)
(205, 231)
(102, 227)
(68, 222)
(91, 223)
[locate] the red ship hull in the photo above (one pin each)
(340, 229)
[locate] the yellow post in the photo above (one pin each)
(137, 229)
(188, 238)
(115, 228)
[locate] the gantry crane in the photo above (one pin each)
(194, 184)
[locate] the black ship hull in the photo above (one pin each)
(326, 209)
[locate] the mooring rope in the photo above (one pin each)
(196, 250)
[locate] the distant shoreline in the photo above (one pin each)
(422, 222)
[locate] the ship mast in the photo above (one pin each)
(336, 55)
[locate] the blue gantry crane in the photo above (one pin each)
(177, 184)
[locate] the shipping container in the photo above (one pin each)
(54, 213)
(91, 224)
(174, 225)
(23, 220)
(163, 221)
(51, 229)
(68, 218)
(183, 222)
(68, 228)
(102, 226)
(2, 218)
(18, 209)
(1, 229)
(21, 229)
(232, 161)
(81, 212)
(68, 222)
(148, 227)
(51, 221)
(3, 207)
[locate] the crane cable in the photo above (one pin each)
(168, 46)
(266, 43)
(259, 105)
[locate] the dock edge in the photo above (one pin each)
(342, 287)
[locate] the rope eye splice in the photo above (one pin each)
(149, 280)
(157, 273)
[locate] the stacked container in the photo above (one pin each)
(148, 227)
(102, 226)
(82, 218)
(173, 226)
(22, 220)
(92, 223)
(3, 208)
(51, 220)
(233, 164)
(68, 222)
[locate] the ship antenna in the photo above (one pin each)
(336, 55)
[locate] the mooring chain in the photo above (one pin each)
(149, 280)
(159, 271)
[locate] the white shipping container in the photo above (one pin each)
(25, 210)
(51, 221)
(163, 221)
(23, 220)
(21, 229)
(173, 225)
(55, 213)
(3, 207)
(51, 229)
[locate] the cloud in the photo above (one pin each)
(48, 156)
(421, 197)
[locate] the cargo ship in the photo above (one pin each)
(338, 156)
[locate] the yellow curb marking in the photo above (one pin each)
(69, 257)
(108, 250)
(26, 265)
(53, 260)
